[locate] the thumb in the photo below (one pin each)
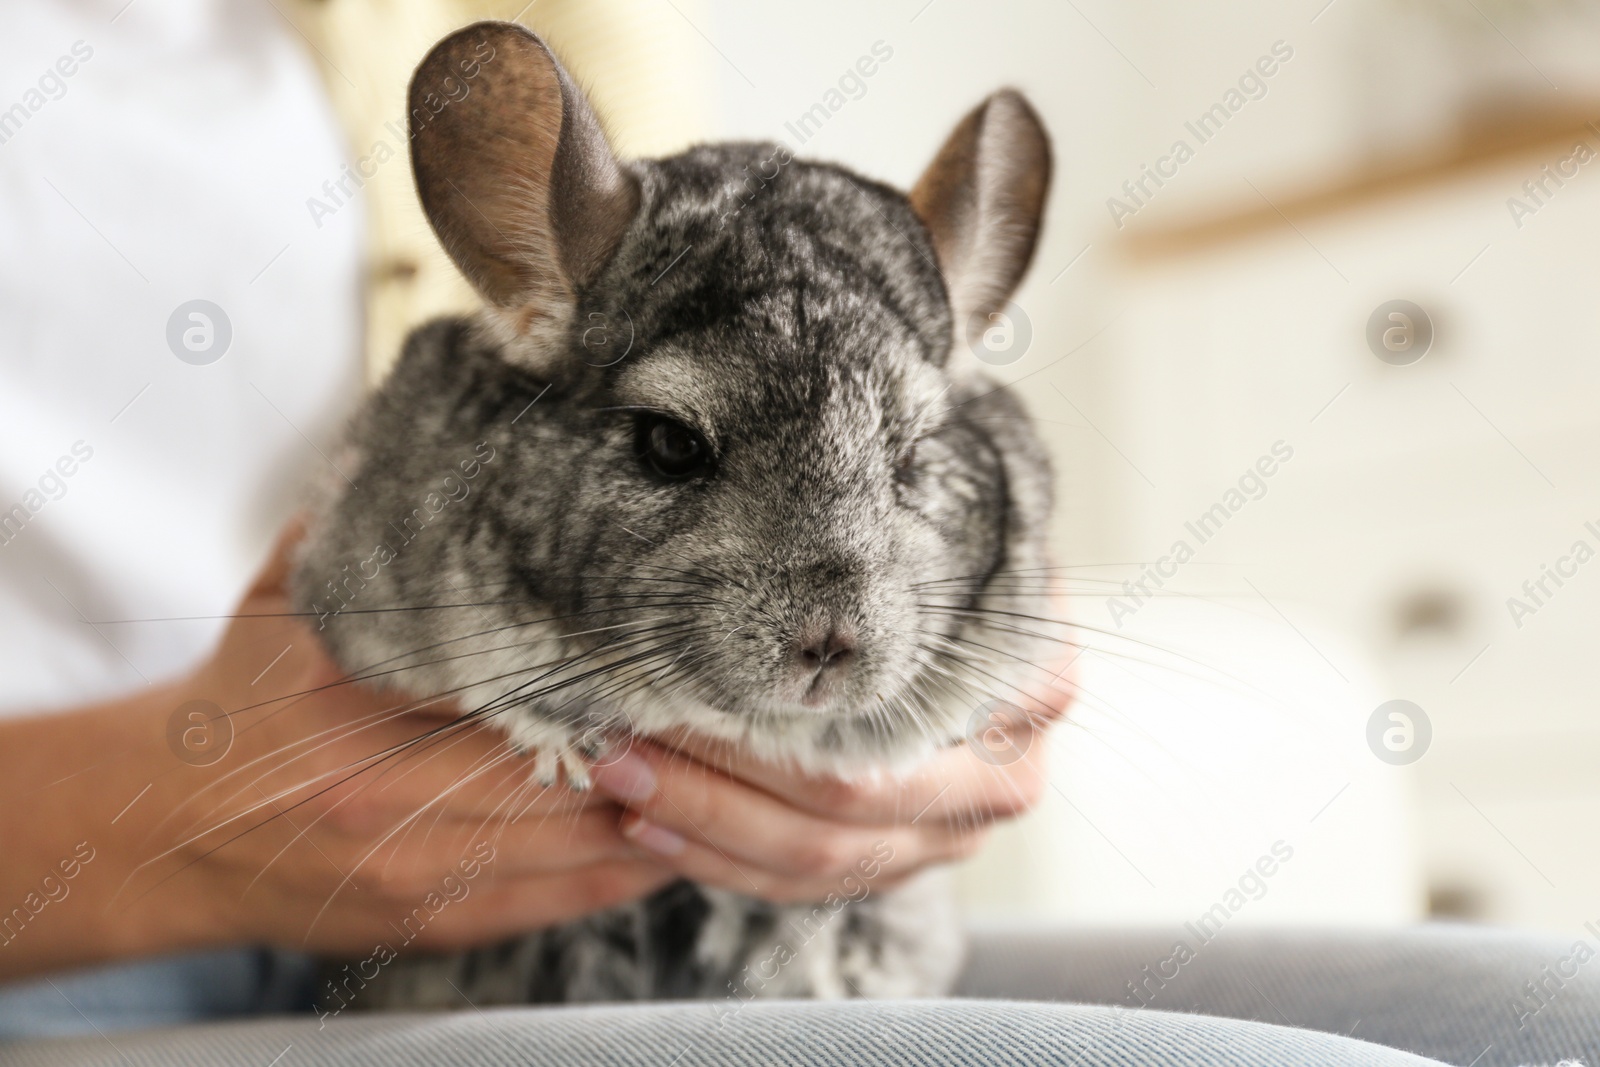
(273, 577)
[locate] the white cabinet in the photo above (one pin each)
(1419, 498)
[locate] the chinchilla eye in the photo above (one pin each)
(671, 449)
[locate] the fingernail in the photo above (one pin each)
(628, 779)
(652, 838)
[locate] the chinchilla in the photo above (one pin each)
(712, 458)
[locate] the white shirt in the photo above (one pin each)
(172, 163)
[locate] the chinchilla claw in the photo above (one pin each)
(545, 767)
(577, 771)
(560, 765)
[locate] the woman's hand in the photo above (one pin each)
(723, 819)
(367, 802)
(334, 818)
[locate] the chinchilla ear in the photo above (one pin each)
(982, 199)
(515, 174)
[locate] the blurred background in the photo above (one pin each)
(1310, 332)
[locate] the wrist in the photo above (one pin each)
(163, 899)
(88, 792)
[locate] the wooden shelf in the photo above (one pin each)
(1488, 141)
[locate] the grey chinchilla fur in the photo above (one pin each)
(711, 459)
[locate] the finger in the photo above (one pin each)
(366, 765)
(1051, 699)
(498, 908)
(880, 869)
(274, 573)
(751, 827)
(410, 862)
(972, 786)
(404, 768)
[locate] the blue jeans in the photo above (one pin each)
(1089, 999)
(167, 991)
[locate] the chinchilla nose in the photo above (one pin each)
(828, 646)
